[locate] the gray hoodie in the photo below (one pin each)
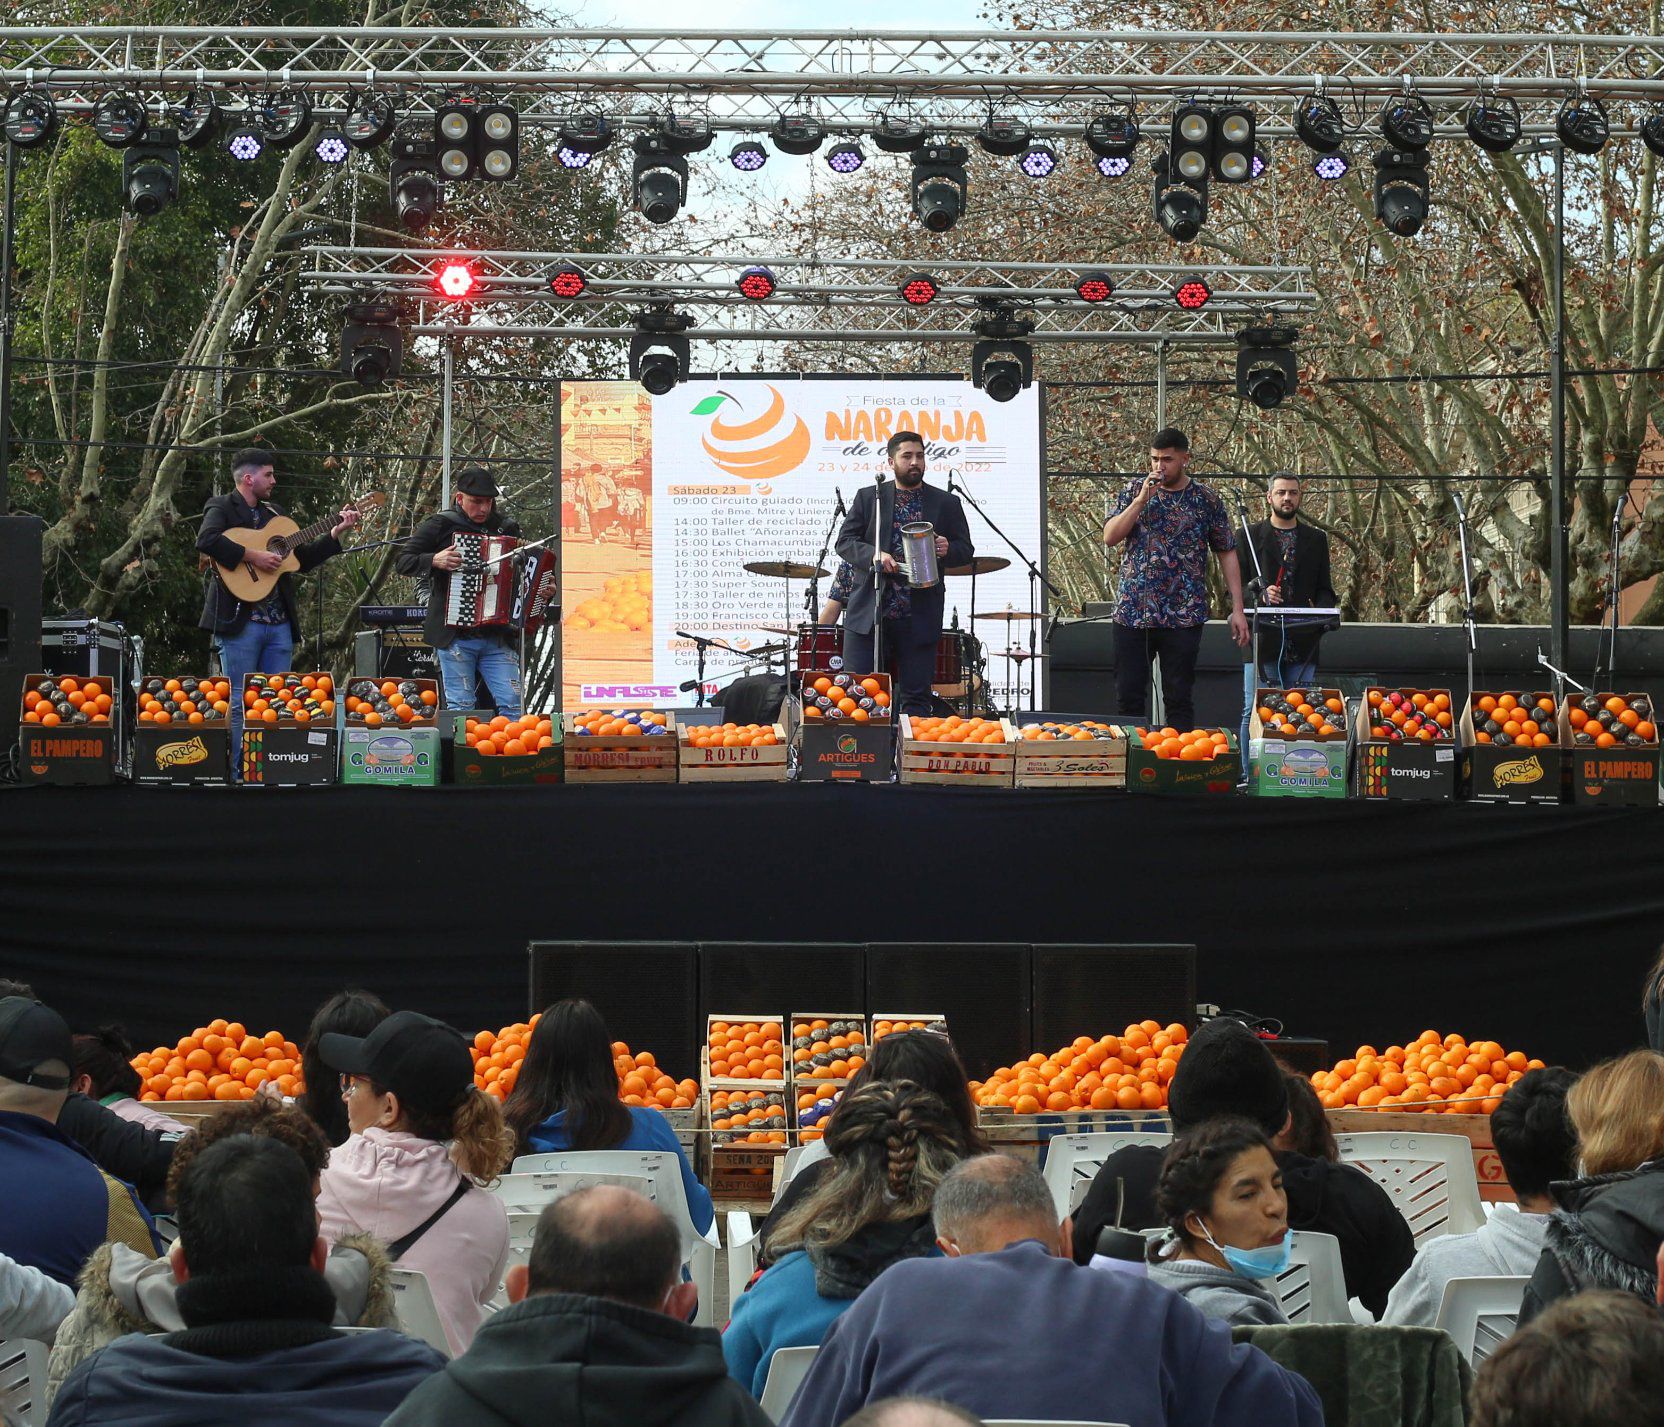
(1218, 1292)
(1508, 1244)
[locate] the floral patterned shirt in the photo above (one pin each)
(1164, 571)
(898, 594)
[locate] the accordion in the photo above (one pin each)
(493, 585)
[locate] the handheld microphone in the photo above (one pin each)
(1461, 510)
(1618, 514)
(689, 687)
(692, 638)
(842, 508)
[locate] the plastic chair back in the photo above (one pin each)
(1072, 1161)
(1480, 1313)
(800, 1157)
(22, 1382)
(786, 1370)
(1313, 1289)
(413, 1303)
(1430, 1177)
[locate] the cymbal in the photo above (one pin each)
(981, 565)
(1018, 654)
(774, 629)
(785, 570)
(1007, 614)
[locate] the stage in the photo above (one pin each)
(1347, 920)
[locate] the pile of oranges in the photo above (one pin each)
(288, 698)
(1526, 720)
(185, 699)
(954, 729)
(220, 1061)
(1200, 745)
(1297, 714)
(746, 1050)
(732, 735)
(814, 1104)
(890, 1027)
(1606, 720)
(391, 701)
(1130, 1071)
(1084, 731)
(624, 606)
(1433, 1074)
(68, 701)
(618, 723)
(827, 1050)
(1402, 715)
(512, 738)
(860, 699)
(748, 1117)
(498, 1054)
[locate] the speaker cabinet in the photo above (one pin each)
(777, 979)
(645, 990)
(984, 990)
(20, 581)
(1090, 990)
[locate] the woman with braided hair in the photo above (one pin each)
(891, 1144)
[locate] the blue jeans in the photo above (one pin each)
(477, 657)
(255, 649)
(1270, 675)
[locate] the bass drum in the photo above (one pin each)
(818, 645)
(955, 663)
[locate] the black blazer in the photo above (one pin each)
(855, 545)
(223, 612)
(415, 557)
(1311, 586)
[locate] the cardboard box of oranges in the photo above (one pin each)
(66, 731)
(835, 746)
(390, 703)
(488, 749)
(1613, 748)
(1068, 751)
(1163, 760)
(1406, 744)
(1297, 744)
(710, 750)
(1511, 749)
(289, 734)
(958, 752)
(182, 731)
(625, 745)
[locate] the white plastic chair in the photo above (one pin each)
(800, 1157)
(786, 1371)
(742, 1254)
(1313, 1288)
(1430, 1177)
(22, 1382)
(1073, 1160)
(1480, 1313)
(413, 1304)
(669, 1193)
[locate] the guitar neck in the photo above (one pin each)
(311, 533)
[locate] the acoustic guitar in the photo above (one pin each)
(281, 536)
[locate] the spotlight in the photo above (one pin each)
(1318, 124)
(1407, 122)
(31, 119)
(284, 118)
(1112, 167)
(1582, 124)
(455, 131)
(845, 157)
(1652, 131)
(369, 121)
(1260, 165)
(797, 134)
(568, 281)
(1190, 144)
(1192, 292)
(456, 281)
(1094, 287)
(756, 284)
(1038, 161)
(413, 178)
(150, 173)
(748, 156)
(688, 135)
(895, 135)
(584, 131)
(1402, 191)
(573, 158)
(941, 187)
(244, 143)
(119, 120)
(1267, 370)
(372, 347)
(1181, 207)
(499, 142)
(1002, 363)
(1003, 137)
(332, 147)
(198, 119)
(1112, 134)
(1494, 123)
(1329, 167)
(659, 350)
(919, 289)
(1233, 145)
(658, 178)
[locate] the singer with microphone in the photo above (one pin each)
(465, 655)
(903, 622)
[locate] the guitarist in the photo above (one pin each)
(259, 638)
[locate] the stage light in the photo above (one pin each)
(1233, 144)
(573, 158)
(1192, 292)
(919, 289)
(454, 125)
(659, 350)
(119, 120)
(941, 187)
(797, 134)
(284, 118)
(845, 157)
(413, 178)
(332, 147)
(31, 119)
(244, 143)
(457, 281)
(1002, 362)
(198, 119)
(1260, 165)
(1402, 191)
(1181, 207)
(1038, 161)
(894, 135)
(1003, 137)
(1111, 167)
(1494, 123)
(1652, 131)
(150, 173)
(1113, 134)
(1267, 370)
(568, 281)
(688, 135)
(1407, 122)
(1329, 167)
(1318, 124)
(1582, 124)
(756, 284)
(499, 142)
(1094, 287)
(584, 131)
(748, 156)
(369, 120)
(658, 178)
(1190, 144)
(372, 347)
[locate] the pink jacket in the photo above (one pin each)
(385, 1183)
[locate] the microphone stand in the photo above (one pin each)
(878, 580)
(811, 596)
(1258, 584)
(1612, 596)
(1470, 619)
(700, 645)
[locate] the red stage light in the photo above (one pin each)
(456, 281)
(1192, 293)
(568, 282)
(1094, 287)
(757, 284)
(919, 290)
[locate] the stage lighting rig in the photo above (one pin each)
(659, 350)
(1233, 144)
(1330, 167)
(1652, 130)
(1407, 122)
(797, 134)
(895, 135)
(245, 143)
(1318, 124)
(119, 120)
(1267, 371)
(1403, 192)
(284, 117)
(31, 119)
(941, 187)
(748, 156)
(369, 120)
(845, 157)
(1002, 362)
(1582, 124)
(1181, 206)
(150, 173)
(1094, 287)
(658, 177)
(1190, 144)
(413, 179)
(1494, 123)
(1038, 161)
(197, 120)
(586, 132)
(332, 147)
(756, 284)
(1192, 293)
(372, 347)
(456, 281)
(1003, 136)
(1113, 135)
(568, 281)
(477, 138)
(919, 289)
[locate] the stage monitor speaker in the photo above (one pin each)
(982, 988)
(778, 978)
(1092, 990)
(644, 990)
(20, 604)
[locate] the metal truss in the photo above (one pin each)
(833, 299)
(948, 80)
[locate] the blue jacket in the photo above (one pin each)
(1118, 1348)
(58, 1205)
(780, 1310)
(649, 1130)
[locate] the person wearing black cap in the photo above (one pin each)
(1227, 1070)
(429, 553)
(424, 1140)
(58, 1205)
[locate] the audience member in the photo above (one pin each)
(32, 1303)
(1221, 1197)
(1308, 1130)
(1535, 1142)
(409, 1088)
(1594, 1360)
(257, 1340)
(346, 1013)
(122, 1292)
(1652, 1004)
(58, 1205)
(101, 1068)
(566, 1098)
(891, 1143)
(1109, 1345)
(596, 1332)
(1607, 1227)
(912, 1412)
(1227, 1070)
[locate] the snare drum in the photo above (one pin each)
(818, 645)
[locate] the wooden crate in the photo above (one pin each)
(1070, 762)
(933, 1020)
(859, 1020)
(1026, 1136)
(767, 764)
(617, 758)
(708, 1082)
(1493, 1184)
(958, 765)
(744, 1174)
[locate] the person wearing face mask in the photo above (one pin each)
(1221, 1195)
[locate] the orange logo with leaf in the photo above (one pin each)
(754, 448)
